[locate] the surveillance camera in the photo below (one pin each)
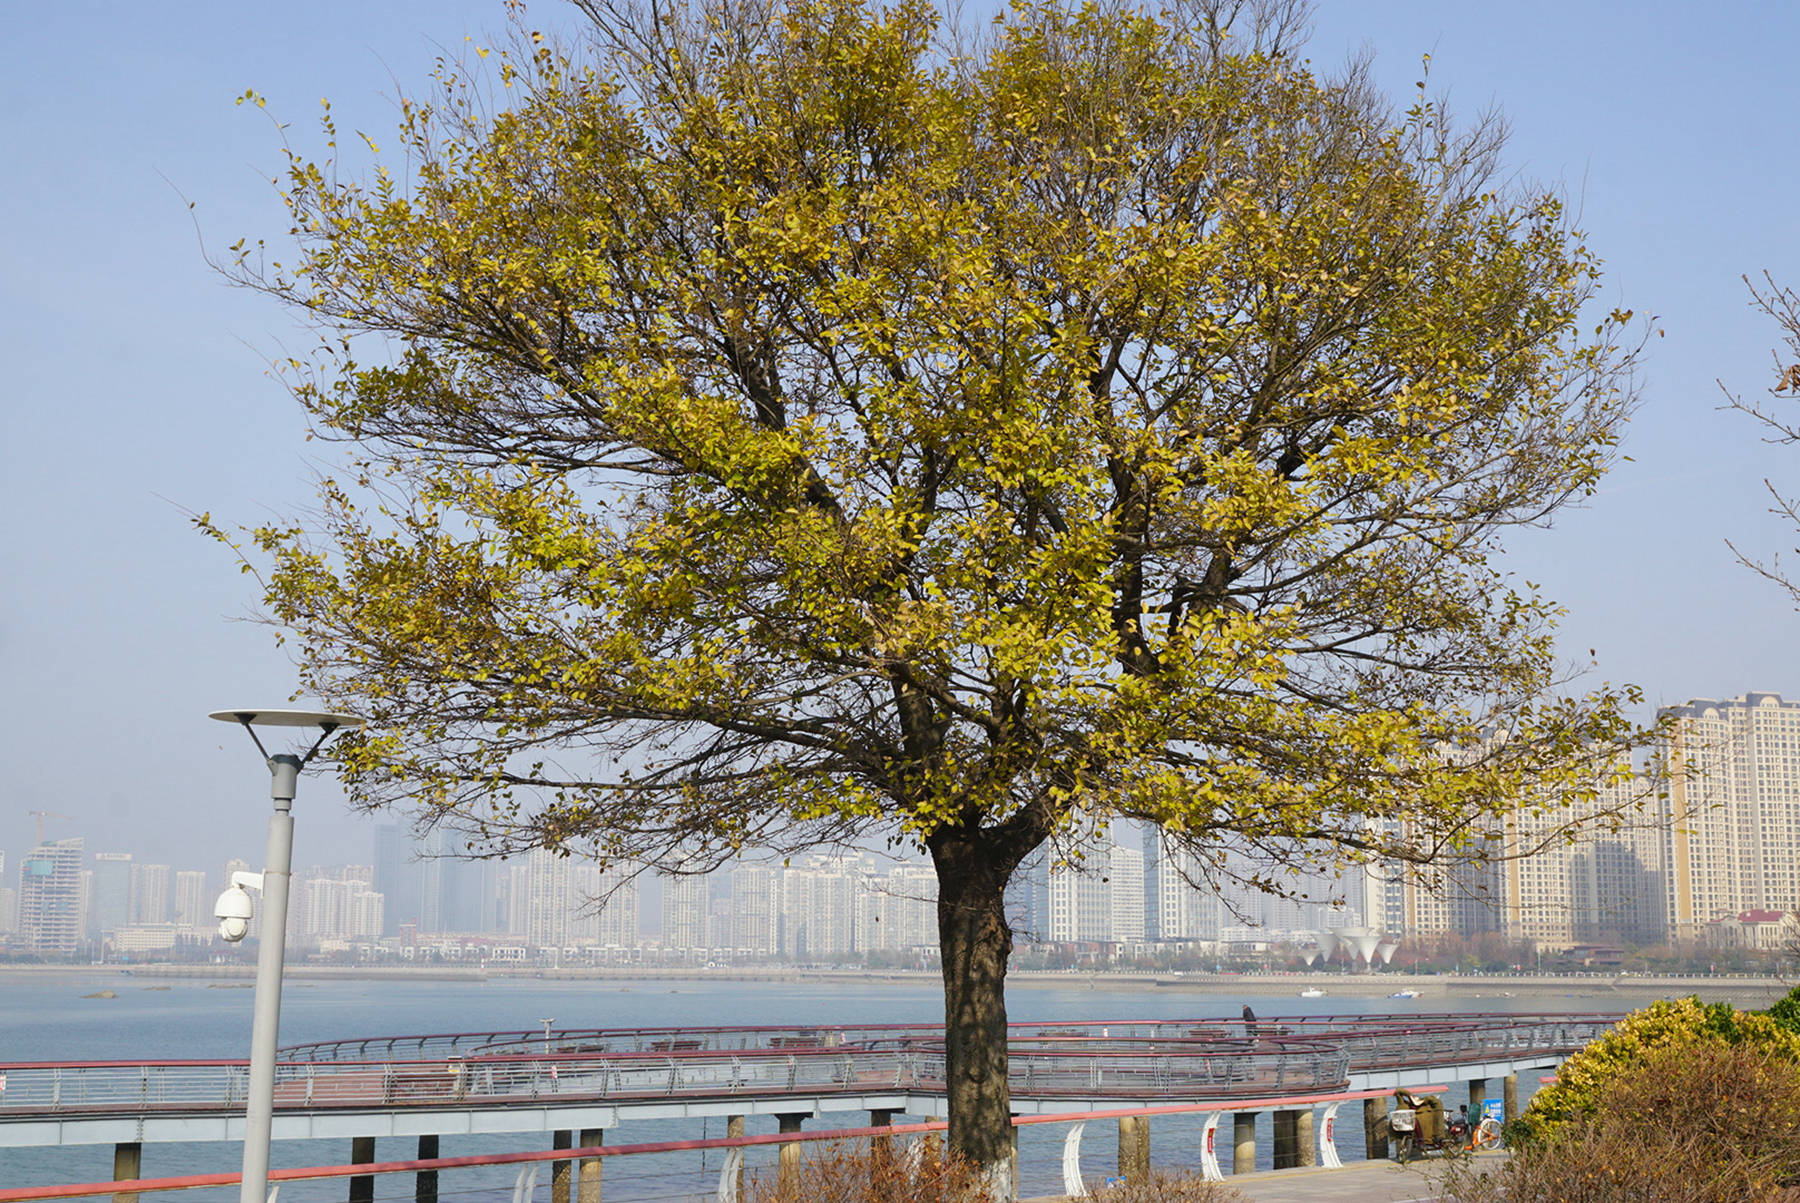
(233, 912)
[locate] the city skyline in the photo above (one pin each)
(1710, 859)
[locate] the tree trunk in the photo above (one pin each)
(975, 941)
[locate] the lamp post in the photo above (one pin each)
(233, 910)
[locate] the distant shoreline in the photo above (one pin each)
(1463, 988)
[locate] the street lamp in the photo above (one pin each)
(233, 911)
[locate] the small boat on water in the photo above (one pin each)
(1404, 994)
(1312, 992)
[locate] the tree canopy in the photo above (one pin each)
(784, 421)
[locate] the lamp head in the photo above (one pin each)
(284, 769)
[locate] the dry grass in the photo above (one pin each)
(853, 1173)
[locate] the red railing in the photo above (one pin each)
(745, 1037)
(37, 1194)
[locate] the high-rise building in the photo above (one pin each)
(755, 911)
(150, 894)
(819, 908)
(686, 906)
(50, 897)
(1465, 897)
(1179, 904)
(540, 913)
(1732, 833)
(1556, 892)
(236, 864)
(467, 892)
(433, 882)
(898, 910)
(411, 878)
(192, 907)
(341, 908)
(1125, 873)
(336, 904)
(1094, 895)
(9, 903)
(556, 901)
(111, 908)
(1585, 870)
(603, 906)
(1618, 883)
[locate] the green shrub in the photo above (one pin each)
(1708, 1121)
(1684, 1024)
(1786, 1013)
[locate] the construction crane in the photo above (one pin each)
(41, 816)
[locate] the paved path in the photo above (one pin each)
(1365, 1182)
(1361, 1182)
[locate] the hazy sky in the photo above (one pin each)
(136, 389)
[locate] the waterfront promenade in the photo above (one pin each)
(597, 1078)
(156, 1017)
(572, 1086)
(576, 1173)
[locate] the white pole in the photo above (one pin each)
(284, 773)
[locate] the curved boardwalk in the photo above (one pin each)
(1060, 1066)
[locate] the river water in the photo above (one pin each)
(47, 1018)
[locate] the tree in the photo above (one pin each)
(1783, 305)
(790, 421)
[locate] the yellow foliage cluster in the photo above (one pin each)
(781, 431)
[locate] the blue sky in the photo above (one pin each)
(136, 386)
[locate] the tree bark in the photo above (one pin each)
(975, 942)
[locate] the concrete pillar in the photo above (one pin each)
(587, 1175)
(1287, 1139)
(362, 1186)
(1375, 1136)
(128, 1163)
(1134, 1147)
(1309, 1145)
(1509, 1096)
(881, 1148)
(560, 1171)
(425, 1182)
(1477, 1092)
(1243, 1137)
(787, 1172)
